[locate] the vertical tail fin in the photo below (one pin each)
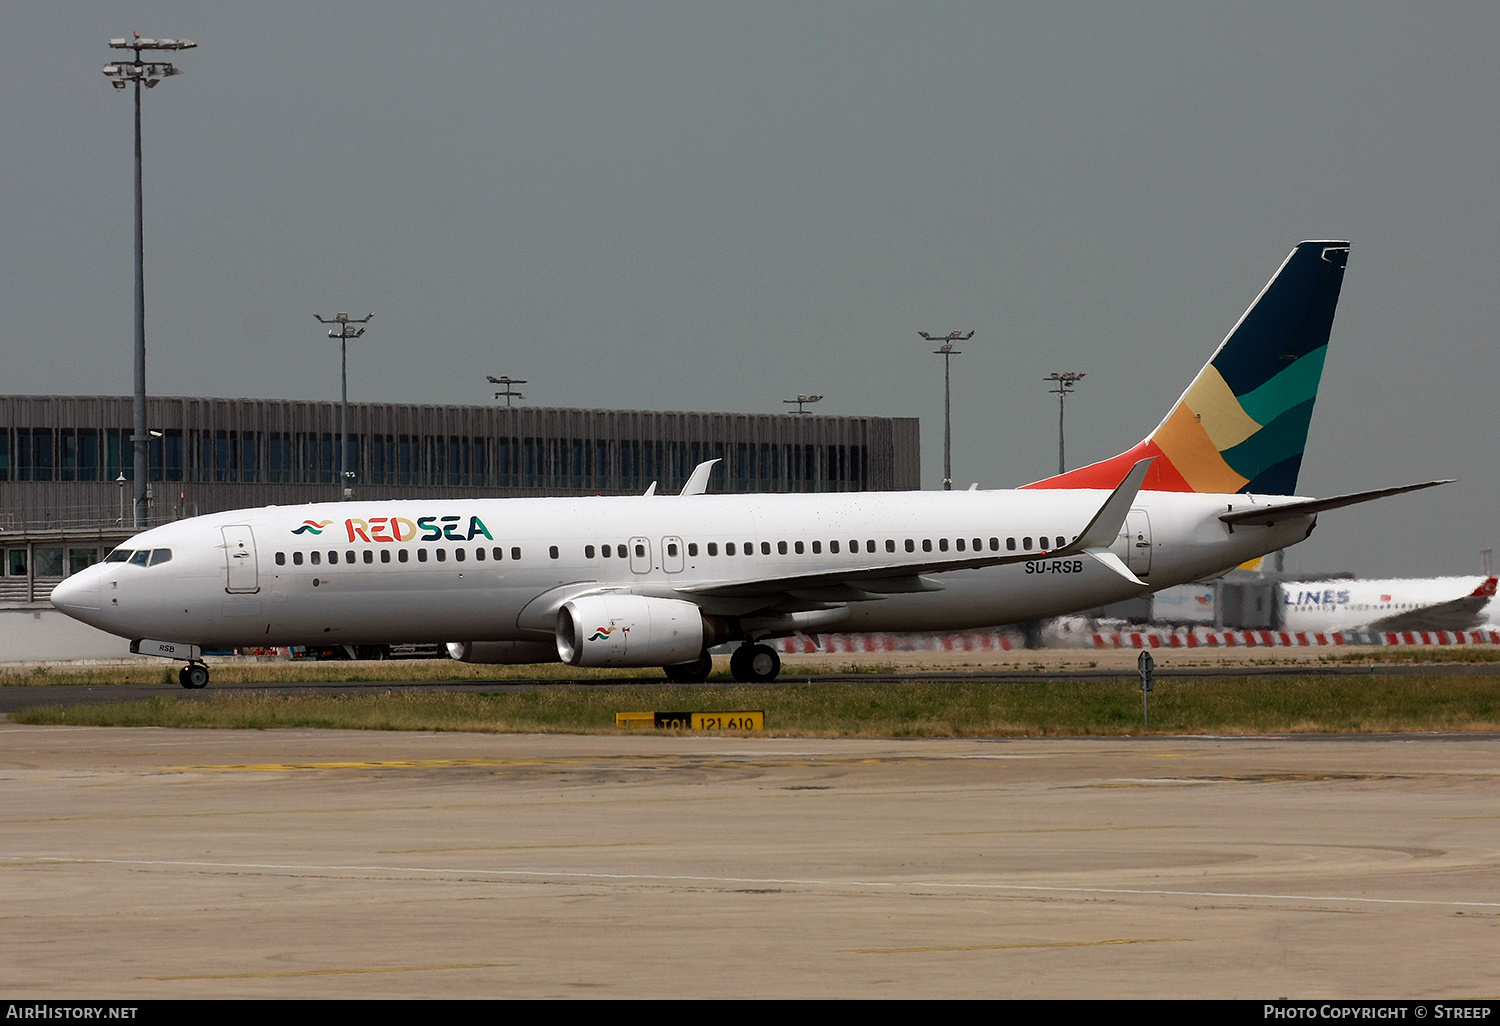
(1241, 426)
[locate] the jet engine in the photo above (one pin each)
(630, 630)
(503, 651)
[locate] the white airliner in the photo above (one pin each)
(1413, 604)
(656, 580)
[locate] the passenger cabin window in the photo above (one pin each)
(729, 548)
(458, 555)
(369, 556)
(1010, 544)
(479, 554)
(817, 547)
(671, 548)
(317, 557)
(349, 556)
(588, 552)
(552, 551)
(404, 556)
(421, 555)
(713, 548)
(958, 543)
(926, 544)
(619, 551)
(1026, 544)
(780, 547)
(942, 544)
(890, 545)
(281, 559)
(385, 555)
(833, 547)
(765, 548)
(640, 550)
(515, 552)
(692, 548)
(442, 555)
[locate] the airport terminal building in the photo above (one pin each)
(66, 461)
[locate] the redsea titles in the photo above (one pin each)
(404, 529)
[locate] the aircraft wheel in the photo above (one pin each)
(193, 676)
(695, 672)
(762, 663)
(739, 664)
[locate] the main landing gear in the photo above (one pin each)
(695, 672)
(754, 664)
(750, 664)
(193, 676)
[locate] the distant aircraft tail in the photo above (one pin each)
(1241, 426)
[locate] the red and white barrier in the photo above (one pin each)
(1287, 639)
(1008, 641)
(970, 641)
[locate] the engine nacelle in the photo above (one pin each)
(629, 630)
(503, 651)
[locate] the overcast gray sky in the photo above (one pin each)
(715, 206)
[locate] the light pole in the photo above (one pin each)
(506, 380)
(146, 73)
(1065, 384)
(801, 399)
(343, 320)
(946, 351)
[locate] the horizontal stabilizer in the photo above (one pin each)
(1265, 516)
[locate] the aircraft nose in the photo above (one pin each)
(77, 594)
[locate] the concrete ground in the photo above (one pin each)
(176, 863)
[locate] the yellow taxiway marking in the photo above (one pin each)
(1015, 947)
(335, 972)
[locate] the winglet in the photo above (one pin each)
(1102, 531)
(1486, 589)
(651, 490)
(1105, 527)
(697, 484)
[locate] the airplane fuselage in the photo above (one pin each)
(371, 572)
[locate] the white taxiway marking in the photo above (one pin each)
(784, 881)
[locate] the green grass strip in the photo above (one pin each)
(1244, 705)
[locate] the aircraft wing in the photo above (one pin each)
(866, 583)
(1265, 516)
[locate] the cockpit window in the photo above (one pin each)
(140, 558)
(160, 556)
(118, 556)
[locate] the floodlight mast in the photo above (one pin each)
(146, 73)
(946, 351)
(1064, 385)
(343, 320)
(803, 399)
(506, 381)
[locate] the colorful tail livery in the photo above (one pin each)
(1242, 424)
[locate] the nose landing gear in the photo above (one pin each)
(193, 676)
